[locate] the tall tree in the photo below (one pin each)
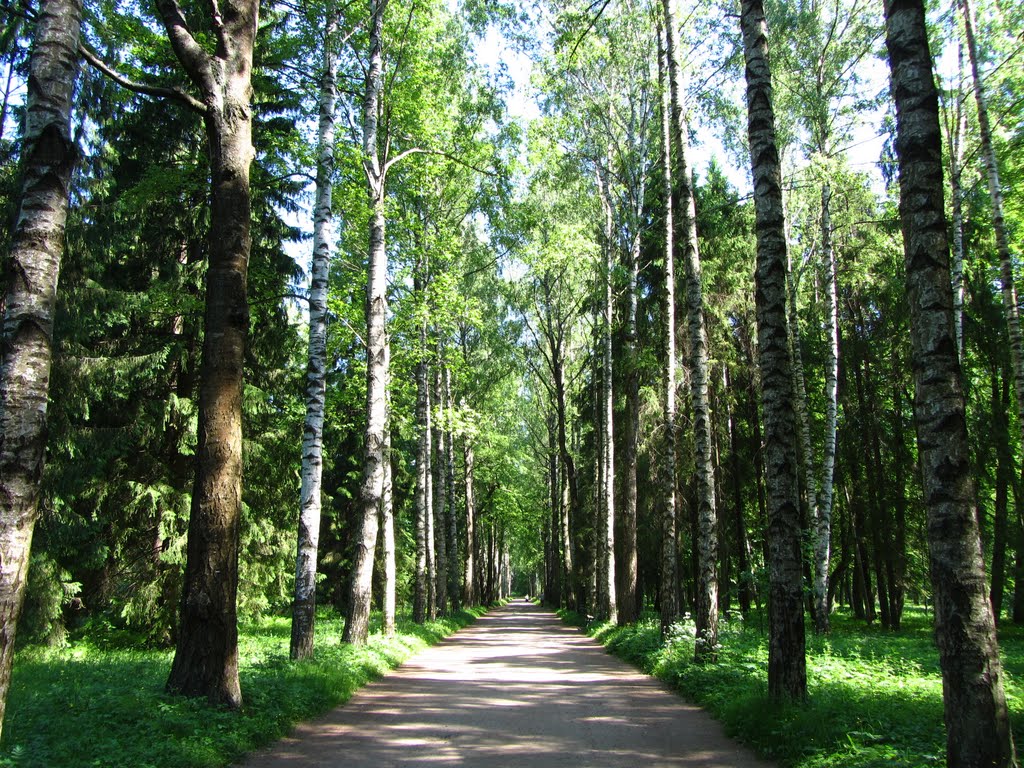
(357, 620)
(206, 656)
(1011, 307)
(37, 245)
(606, 525)
(304, 606)
(787, 665)
(706, 618)
(422, 602)
(977, 720)
(669, 577)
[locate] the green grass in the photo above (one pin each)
(97, 704)
(875, 696)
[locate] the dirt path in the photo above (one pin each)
(517, 688)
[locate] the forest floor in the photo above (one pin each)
(517, 688)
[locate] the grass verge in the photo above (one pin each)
(95, 704)
(875, 696)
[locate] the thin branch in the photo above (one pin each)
(590, 26)
(149, 90)
(438, 153)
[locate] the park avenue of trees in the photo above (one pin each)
(724, 324)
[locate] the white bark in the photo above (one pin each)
(606, 530)
(823, 498)
(372, 486)
(37, 247)
(669, 609)
(387, 520)
(304, 607)
(707, 516)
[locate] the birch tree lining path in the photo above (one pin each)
(518, 688)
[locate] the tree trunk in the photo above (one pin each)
(37, 246)
(787, 668)
(452, 548)
(422, 603)
(706, 543)
(744, 577)
(669, 574)
(995, 190)
(606, 530)
(823, 502)
(387, 522)
(440, 505)
(1004, 471)
(304, 606)
(357, 621)
(470, 596)
(553, 588)
(977, 720)
(957, 128)
(628, 602)
(206, 657)
(805, 471)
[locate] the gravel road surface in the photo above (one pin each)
(517, 688)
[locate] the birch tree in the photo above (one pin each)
(37, 246)
(706, 618)
(977, 720)
(1011, 308)
(304, 605)
(372, 484)
(787, 666)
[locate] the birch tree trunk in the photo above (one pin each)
(995, 191)
(357, 621)
(977, 721)
(807, 493)
(787, 668)
(454, 575)
(304, 606)
(957, 130)
(469, 591)
(206, 657)
(628, 597)
(706, 618)
(606, 525)
(387, 522)
(37, 246)
(421, 589)
(440, 501)
(669, 575)
(823, 498)
(553, 588)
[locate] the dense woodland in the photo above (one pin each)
(630, 306)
